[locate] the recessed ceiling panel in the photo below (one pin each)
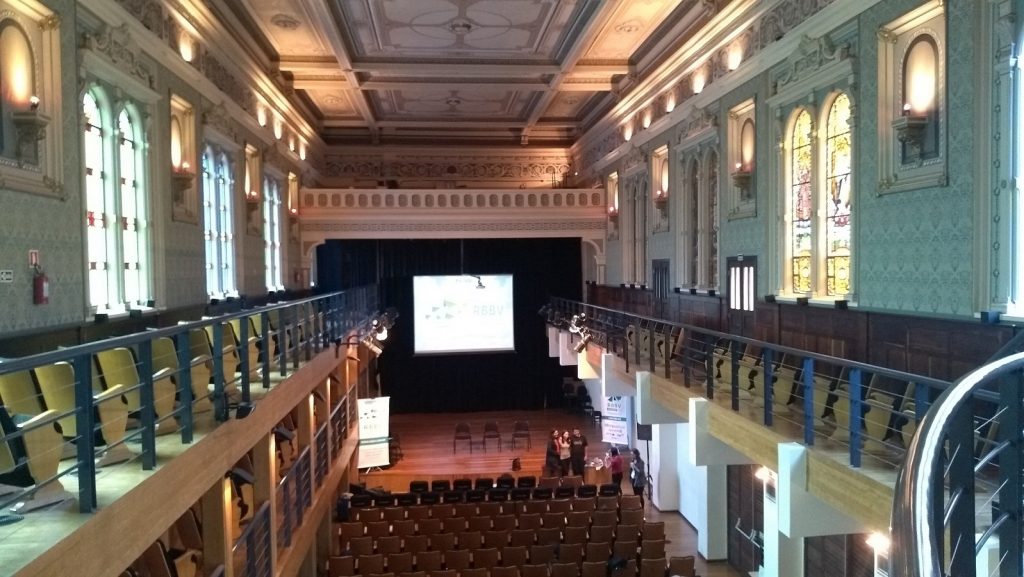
(433, 103)
(334, 103)
(288, 27)
(456, 29)
(631, 24)
(567, 105)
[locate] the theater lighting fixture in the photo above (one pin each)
(578, 323)
(763, 474)
(878, 542)
(585, 337)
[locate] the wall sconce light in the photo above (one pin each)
(698, 81)
(734, 56)
(186, 47)
(646, 122)
(294, 212)
(302, 151)
(30, 128)
(278, 128)
(627, 131)
(920, 80)
(670, 101)
(763, 474)
(261, 115)
(181, 177)
(613, 213)
(660, 199)
(251, 196)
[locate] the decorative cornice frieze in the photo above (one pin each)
(443, 168)
(597, 224)
(116, 45)
(810, 56)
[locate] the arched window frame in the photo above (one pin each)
(219, 221)
(791, 265)
(827, 258)
(709, 226)
(272, 215)
(116, 206)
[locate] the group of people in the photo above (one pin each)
(567, 453)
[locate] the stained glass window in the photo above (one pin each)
(801, 207)
(838, 229)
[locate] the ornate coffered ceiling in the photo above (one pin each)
(481, 72)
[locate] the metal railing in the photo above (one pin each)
(871, 411)
(958, 503)
(88, 406)
(252, 550)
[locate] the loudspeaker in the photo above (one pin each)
(644, 432)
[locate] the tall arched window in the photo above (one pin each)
(272, 232)
(801, 202)
(838, 175)
(134, 224)
(711, 224)
(693, 242)
(17, 82)
(218, 208)
(116, 206)
(97, 215)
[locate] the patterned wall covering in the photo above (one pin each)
(54, 227)
(613, 260)
(915, 248)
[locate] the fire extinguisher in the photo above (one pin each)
(40, 287)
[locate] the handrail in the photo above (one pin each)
(917, 524)
(897, 374)
(49, 357)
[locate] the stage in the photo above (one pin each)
(426, 444)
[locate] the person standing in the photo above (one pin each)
(638, 475)
(552, 464)
(577, 451)
(564, 450)
(615, 467)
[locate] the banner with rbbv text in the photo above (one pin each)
(616, 419)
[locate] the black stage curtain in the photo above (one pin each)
(527, 379)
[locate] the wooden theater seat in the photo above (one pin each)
(165, 356)
(57, 383)
(31, 458)
(118, 367)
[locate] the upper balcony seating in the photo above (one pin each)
(119, 367)
(57, 383)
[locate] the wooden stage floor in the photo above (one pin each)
(426, 442)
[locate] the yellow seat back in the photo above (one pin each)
(18, 393)
(57, 383)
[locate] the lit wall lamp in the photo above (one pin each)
(186, 47)
(744, 169)
(30, 128)
(920, 86)
(613, 213)
(627, 131)
(278, 128)
(261, 115)
(698, 81)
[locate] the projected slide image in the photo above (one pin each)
(463, 313)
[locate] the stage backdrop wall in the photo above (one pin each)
(525, 379)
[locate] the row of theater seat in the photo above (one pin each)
(673, 566)
(496, 494)
(616, 503)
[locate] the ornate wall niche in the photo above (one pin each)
(251, 182)
(35, 127)
(613, 206)
(184, 192)
(912, 100)
(741, 156)
(661, 192)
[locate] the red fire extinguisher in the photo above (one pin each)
(40, 287)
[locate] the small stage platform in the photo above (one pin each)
(426, 443)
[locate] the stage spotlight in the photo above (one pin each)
(373, 345)
(584, 340)
(578, 323)
(380, 329)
